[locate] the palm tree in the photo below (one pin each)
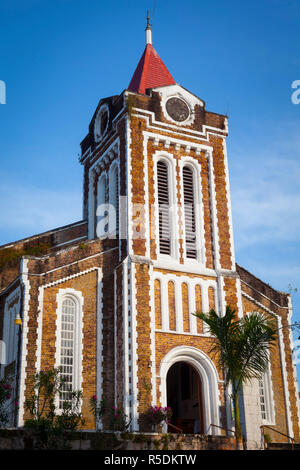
(242, 350)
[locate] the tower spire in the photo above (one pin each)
(148, 29)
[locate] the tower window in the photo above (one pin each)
(164, 208)
(189, 213)
(114, 200)
(117, 198)
(102, 212)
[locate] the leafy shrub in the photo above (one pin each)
(118, 420)
(5, 403)
(52, 427)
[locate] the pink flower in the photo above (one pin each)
(94, 397)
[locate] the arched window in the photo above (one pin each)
(114, 200)
(67, 349)
(164, 208)
(189, 212)
(102, 212)
(265, 397)
(69, 342)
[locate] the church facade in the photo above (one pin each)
(109, 299)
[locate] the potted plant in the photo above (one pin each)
(157, 415)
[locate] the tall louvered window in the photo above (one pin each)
(67, 349)
(189, 213)
(164, 208)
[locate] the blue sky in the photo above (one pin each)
(59, 57)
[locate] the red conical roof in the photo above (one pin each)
(151, 72)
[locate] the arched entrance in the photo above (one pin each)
(184, 396)
(205, 375)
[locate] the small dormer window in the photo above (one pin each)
(101, 123)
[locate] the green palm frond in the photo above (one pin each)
(241, 345)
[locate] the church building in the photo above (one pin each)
(110, 298)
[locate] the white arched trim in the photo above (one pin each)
(98, 132)
(209, 379)
(101, 217)
(195, 167)
(77, 298)
(114, 183)
(169, 160)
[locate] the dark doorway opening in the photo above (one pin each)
(185, 398)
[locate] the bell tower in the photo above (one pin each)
(156, 187)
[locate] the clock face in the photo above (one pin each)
(177, 109)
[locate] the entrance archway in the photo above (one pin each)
(208, 381)
(184, 396)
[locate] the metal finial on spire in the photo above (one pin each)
(148, 29)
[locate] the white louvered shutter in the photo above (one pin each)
(189, 213)
(164, 208)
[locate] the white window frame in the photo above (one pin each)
(10, 330)
(101, 201)
(198, 207)
(268, 398)
(77, 297)
(114, 193)
(169, 160)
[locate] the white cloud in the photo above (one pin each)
(265, 192)
(265, 212)
(30, 210)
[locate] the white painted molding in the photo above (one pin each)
(239, 297)
(228, 193)
(99, 361)
(158, 126)
(24, 341)
(214, 214)
(134, 351)
(126, 342)
(152, 336)
(209, 382)
(198, 207)
(77, 297)
(191, 284)
(290, 314)
(173, 203)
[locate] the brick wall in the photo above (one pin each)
(259, 296)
